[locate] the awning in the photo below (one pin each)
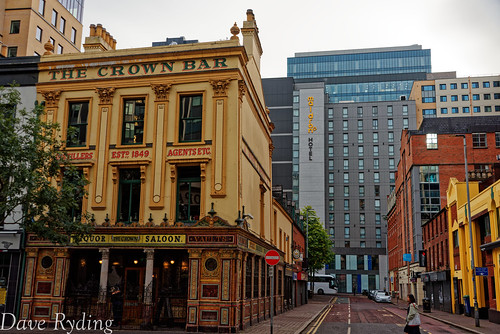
(491, 245)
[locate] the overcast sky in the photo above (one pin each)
(463, 35)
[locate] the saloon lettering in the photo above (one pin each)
(138, 69)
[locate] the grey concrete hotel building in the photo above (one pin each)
(339, 117)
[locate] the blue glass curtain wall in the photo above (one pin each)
(359, 64)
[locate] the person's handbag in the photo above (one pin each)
(416, 319)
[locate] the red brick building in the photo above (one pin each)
(428, 158)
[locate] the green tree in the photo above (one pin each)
(39, 187)
(319, 243)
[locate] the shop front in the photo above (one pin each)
(199, 278)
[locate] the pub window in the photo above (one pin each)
(248, 279)
(191, 107)
(133, 121)
(256, 278)
(129, 195)
(262, 278)
(280, 278)
(77, 124)
(188, 194)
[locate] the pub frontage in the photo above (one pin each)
(175, 141)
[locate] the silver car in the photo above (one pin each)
(382, 297)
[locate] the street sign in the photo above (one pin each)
(407, 257)
(481, 271)
(271, 271)
(272, 257)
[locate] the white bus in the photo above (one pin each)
(323, 284)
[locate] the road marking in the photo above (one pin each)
(322, 317)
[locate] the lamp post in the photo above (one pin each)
(476, 308)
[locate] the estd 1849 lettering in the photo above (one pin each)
(129, 154)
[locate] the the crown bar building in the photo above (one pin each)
(175, 141)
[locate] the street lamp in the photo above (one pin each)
(476, 308)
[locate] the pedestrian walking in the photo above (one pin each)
(412, 317)
(117, 301)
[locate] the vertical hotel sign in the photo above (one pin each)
(312, 146)
(310, 128)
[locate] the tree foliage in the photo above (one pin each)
(319, 243)
(39, 187)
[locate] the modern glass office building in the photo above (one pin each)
(339, 116)
(363, 75)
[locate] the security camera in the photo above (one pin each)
(248, 215)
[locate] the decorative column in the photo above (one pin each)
(219, 134)
(157, 194)
(105, 105)
(148, 287)
(29, 283)
(51, 104)
(103, 281)
(193, 303)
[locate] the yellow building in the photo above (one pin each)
(27, 25)
(485, 211)
(175, 141)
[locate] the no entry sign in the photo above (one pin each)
(272, 257)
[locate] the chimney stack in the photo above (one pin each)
(251, 40)
(99, 40)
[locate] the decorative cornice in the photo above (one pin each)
(161, 91)
(220, 86)
(51, 98)
(105, 95)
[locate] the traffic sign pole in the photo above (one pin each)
(272, 301)
(272, 258)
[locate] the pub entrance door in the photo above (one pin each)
(133, 291)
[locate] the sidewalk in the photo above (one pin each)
(293, 321)
(290, 322)
(457, 320)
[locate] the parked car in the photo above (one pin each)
(382, 297)
(371, 294)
